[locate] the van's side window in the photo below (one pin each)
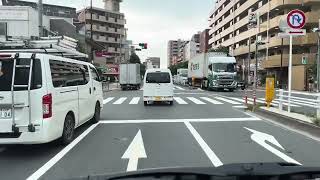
(95, 74)
(65, 74)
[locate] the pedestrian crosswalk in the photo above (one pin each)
(211, 100)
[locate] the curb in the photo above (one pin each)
(290, 122)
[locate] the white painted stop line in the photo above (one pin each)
(135, 100)
(211, 100)
(180, 100)
(120, 100)
(197, 101)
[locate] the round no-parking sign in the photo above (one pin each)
(296, 19)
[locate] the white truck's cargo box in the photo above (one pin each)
(130, 74)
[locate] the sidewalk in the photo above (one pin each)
(291, 115)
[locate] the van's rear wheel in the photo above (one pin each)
(68, 130)
(171, 103)
(96, 117)
(145, 103)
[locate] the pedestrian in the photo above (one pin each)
(311, 84)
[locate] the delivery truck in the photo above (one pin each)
(130, 77)
(212, 71)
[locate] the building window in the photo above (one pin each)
(3, 29)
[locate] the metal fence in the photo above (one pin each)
(308, 100)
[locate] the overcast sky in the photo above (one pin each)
(157, 21)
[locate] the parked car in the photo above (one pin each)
(45, 97)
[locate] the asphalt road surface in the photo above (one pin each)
(201, 129)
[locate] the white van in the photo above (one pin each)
(158, 86)
(58, 96)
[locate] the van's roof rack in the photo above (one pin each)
(57, 45)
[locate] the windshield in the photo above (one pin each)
(158, 77)
(120, 86)
(223, 67)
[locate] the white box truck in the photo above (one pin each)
(130, 77)
(213, 71)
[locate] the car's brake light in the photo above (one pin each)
(47, 106)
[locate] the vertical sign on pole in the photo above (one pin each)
(296, 20)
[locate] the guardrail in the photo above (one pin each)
(311, 100)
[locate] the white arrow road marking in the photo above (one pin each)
(211, 155)
(135, 152)
(261, 139)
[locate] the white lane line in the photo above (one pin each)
(120, 100)
(197, 101)
(227, 100)
(211, 100)
(180, 100)
(179, 88)
(211, 155)
(40, 172)
(106, 101)
(251, 118)
(135, 100)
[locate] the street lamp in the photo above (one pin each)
(317, 30)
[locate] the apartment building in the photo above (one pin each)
(204, 39)
(173, 50)
(229, 27)
(192, 48)
(182, 51)
(108, 31)
(154, 61)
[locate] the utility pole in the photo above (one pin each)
(256, 54)
(40, 13)
(249, 60)
(91, 31)
(318, 63)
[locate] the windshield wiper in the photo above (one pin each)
(231, 170)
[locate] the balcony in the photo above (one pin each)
(275, 61)
(105, 19)
(105, 29)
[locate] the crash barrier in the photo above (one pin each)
(309, 100)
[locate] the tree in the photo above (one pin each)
(222, 49)
(182, 65)
(142, 69)
(134, 58)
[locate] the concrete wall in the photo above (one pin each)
(21, 21)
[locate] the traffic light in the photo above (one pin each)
(143, 45)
